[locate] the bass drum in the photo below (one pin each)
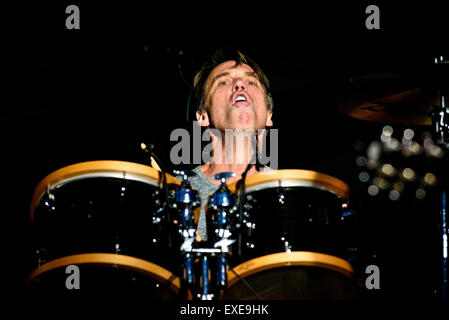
(96, 229)
(296, 241)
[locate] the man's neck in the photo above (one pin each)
(240, 154)
(210, 169)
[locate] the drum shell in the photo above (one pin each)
(106, 215)
(108, 220)
(300, 247)
(296, 219)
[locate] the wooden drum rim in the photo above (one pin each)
(293, 178)
(289, 259)
(95, 169)
(114, 260)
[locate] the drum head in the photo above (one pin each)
(293, 276)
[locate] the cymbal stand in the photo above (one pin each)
(440, 124)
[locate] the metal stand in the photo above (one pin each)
(186, 200)
(444, 247)
(206, 261)
(440, 124)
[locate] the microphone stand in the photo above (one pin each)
(242, 194)
(166, 207)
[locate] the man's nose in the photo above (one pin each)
(239, 85)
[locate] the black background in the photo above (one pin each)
(97, 92)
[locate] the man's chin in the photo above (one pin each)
(244, 127)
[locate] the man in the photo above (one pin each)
(233, 94)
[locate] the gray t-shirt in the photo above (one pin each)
(205, 187)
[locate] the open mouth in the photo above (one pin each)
(240, 98)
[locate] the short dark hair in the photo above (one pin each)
(220, 56)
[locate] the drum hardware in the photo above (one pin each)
(186, 199)
(117, 249)
(222, 202)
(440, 112)
(165, 210)
(122, 190)
(347, 210)
(444, 246)
(281, 196)
(211, 255)
(49, 200)
(207, 259)
(286, 244)
(440, 124)
(244, 206)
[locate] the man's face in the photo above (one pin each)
(235, 99)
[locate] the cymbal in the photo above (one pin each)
(390, 99)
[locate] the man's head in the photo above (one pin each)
(233, 93)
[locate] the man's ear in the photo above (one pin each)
(203, 118)
(269, 122)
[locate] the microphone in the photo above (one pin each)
(255, 159)
(256, 154)
(153, 161)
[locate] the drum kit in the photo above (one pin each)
(126, 234)
(280, 234)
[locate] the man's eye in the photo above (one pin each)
(252, 83)
(223, 83)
